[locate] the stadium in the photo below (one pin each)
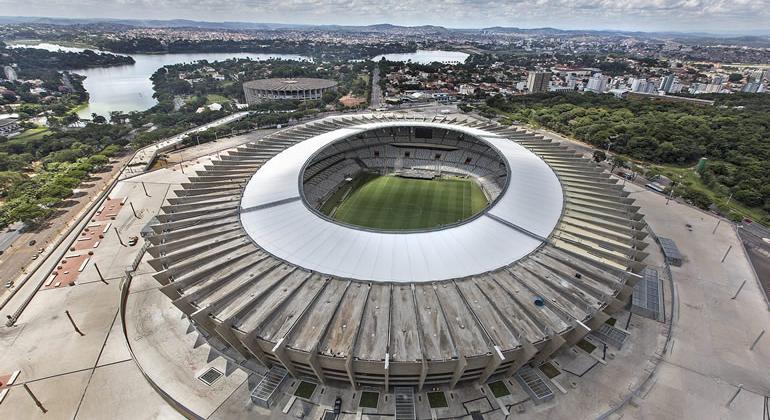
(392, 251)
(300, 89)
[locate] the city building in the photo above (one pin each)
(667, 83)
(597, 83)
(642, 85)
(751, 87)
(562, 89)
(538, 81)
(302, 89)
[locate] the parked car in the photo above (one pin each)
(133, 240)
(32, 242)
(337, 406)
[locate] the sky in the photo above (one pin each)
(715, 16)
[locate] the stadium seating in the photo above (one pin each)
(390, 150)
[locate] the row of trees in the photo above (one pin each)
(31, 199)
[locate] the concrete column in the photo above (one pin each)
(423, 374)
(316, 366)
(250, 342)
(527, 351)
(349, 370)
(280, 352)
(494, 361)
(459, 370)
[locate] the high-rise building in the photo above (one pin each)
(538, 81)
(571, 80)
(641, 85)
(597, 83)
(667, 83)
(751, 87)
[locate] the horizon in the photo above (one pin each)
(724, 33)
(718, 17)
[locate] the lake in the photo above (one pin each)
(427, 57)
(128, 88)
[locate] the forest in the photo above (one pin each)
(32, 62)
(733, 134)
(325, 50)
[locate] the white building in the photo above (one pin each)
(667, 83)
(597, 83)
(538, 81)
(10, 73)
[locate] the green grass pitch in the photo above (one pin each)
(394, 203)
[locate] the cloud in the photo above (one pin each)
(674, 15)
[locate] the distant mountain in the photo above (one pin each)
(752, 37)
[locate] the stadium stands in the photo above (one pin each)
(404, 150)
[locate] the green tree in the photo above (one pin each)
(8, 180)
(619, 161)
(98, 161)
(55, 190)
(29, 212)
(599, 156)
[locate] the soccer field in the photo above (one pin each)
(394, 203)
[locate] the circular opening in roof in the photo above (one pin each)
(404, 178)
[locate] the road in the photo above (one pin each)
(376, 100)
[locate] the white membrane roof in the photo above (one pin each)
(524, 215)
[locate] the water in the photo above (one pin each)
(128, 88)
(427, 57)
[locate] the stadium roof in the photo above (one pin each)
(209, 256)
(299, 83)
(519, 221)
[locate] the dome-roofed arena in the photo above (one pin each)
(383, 250)
(276, 89)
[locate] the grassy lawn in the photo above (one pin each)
(437, 400)
(33, 134)
(549, 370)
(587, 346)
(216, 99)
(499, 389)
(394, 203)
(690, 178)
(305, 389)
(369, 399)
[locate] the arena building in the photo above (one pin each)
(300, 89)
(268, 256)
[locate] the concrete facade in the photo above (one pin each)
(301, 89)
(360, 333)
